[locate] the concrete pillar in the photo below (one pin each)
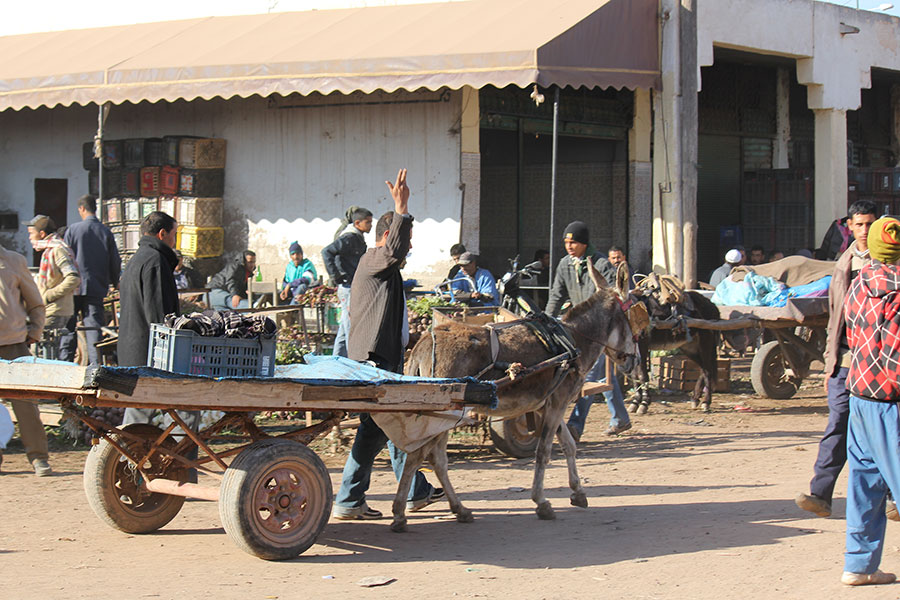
(668, 240)
(831, 168)
(782, 119)
(640, 183)
(690, 120)
(470, 169)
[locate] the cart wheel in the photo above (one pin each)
(113, 487)
(768, 373)
(275, 499)
(512, 437)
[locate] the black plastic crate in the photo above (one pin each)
(202, 183)
(112, 183)
(133, 153)
(183, 351)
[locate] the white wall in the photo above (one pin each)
(290, 174)
(834, 66)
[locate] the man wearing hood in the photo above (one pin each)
(872, 311)
(341, 258)
(573, 282)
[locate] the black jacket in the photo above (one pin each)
(567, 285)
(148, 294)
(342, 256)
(377, 302)
(232, 279)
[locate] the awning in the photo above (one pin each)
(592, 43)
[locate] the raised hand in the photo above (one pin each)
(400, 192)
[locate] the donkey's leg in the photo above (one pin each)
(706, 402)
(439, 462)
(554, 408)
(567, 442)
(413, 462)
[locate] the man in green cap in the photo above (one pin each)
(872, 311)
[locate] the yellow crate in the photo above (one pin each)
(201, 242)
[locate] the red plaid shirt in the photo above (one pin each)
(872, 312)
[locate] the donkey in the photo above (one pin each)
(700, 345)
(597, 325)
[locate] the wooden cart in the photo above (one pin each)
(274, 495)
(781, 364)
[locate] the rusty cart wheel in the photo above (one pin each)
(275, 499)
(115, 490)
(512, 436)
(770, 373)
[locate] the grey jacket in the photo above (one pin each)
(566, 285)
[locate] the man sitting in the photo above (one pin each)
(299, 274)
(229, 286)
(472, 285)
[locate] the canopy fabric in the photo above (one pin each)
(592, 43)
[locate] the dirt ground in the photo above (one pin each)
(685, 505)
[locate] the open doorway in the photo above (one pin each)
(51, 199)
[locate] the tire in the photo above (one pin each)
(275, 499)
(113, 489)
(512, 438)
(768, 373)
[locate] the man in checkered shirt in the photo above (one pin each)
(872, 311)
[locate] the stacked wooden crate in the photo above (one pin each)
(178, 175)
(680, 373)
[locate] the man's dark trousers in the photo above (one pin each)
(91, 310)
(833, 446)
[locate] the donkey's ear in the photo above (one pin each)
(596, 277)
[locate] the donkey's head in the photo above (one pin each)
(602, 319)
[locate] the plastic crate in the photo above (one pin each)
(148, 205)
(112, 183)
(131, 182)
(131, 235)
(200, 212)
(111, 211)
(202, 153)
(118, 232)
(150, 181)
(202, 183)
(168, 181)
(154, 152)
(201, 242)
(131, 210)
(183, 351)
(167, 205)
(133, 153)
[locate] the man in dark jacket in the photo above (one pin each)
(228, 287)
(147, 290)
(148, 294)
(99, 264)
(573, 282)
(378, 316)
(341, 258)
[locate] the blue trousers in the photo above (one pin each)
(221, 300)
(369, 441)
(615, 400)
(91, 310)
(343, 331)
(833, 446)
(873, 458)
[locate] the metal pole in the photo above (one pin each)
(98, 152)
(553, 181)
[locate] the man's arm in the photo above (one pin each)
(487, 288)
(559, 293)
(329, 257)
(115, 261)
(34, 304)
(71, 279)
(401, 225)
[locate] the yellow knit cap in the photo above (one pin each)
(884, 240)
